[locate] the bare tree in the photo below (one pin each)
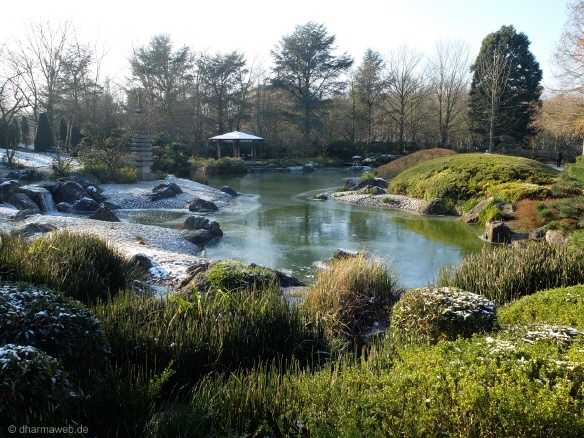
(569, 54)
(449, 78)
(491, 76)
(405, 89)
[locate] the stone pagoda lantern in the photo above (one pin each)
(141, 146)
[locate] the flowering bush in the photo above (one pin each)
(53, 323)
(433, 314)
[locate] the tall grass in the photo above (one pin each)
(352, 294)
(82, 266)
(214, 333)
(504, 274)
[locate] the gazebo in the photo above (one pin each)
(236, 137)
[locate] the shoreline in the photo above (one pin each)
(386, 200)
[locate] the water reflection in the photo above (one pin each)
(277, 223)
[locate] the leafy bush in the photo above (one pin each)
(483, 387)
(490, 213)
(352, 294)
(230, 275)
(467, 176)
(34, 389)
(125, 174)
(563, 306)
(516, 191)
(82, 266)
(226, 165)
(504, 273)
(434, 314)
(53, 323)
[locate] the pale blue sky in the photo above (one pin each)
(255, 26)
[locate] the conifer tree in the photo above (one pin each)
(44, 140)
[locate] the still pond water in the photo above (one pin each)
(276, 223)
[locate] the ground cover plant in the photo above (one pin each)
(466, 176)
(394, 168)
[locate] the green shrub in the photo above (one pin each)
(352, 294)
(126, 175)
(482, 387)
(34, 389)
(466, 176)
(53, 323)
(505, 273)
(226, 165)
(230, 275)
(490, 213)
(545, 214)
(82, 266)
(394, 168)
(435, 314)
(563, 306)
(516, 191)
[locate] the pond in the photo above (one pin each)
(276, 223)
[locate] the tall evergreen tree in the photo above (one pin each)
(44, 140)
(505, 90)
(306, 69)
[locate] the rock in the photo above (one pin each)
(200, 230)
(32, 230)
(321, 197)
(228, 190)
(198, 204)
(8, 188)
(70, 192)
(555, 237)
(85, 205)
(23, 214)
(353, 185)
(497, 232)
(472, 216)
(538, 233)
(142, 261)
(341, 254)
(26, 175)
(103, 214)
(64, 207)
(83, 179)
(95, 194)
(23, 202)
(110, 205)
(507, 210)
(41, 197)
(165, 190)
(436, 207)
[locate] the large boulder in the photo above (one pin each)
(8, 188)
(228, 190)
(436, 207)
(165, 190)
(497, 232)
(83, 179)
(32, 230)
(353, 185)
(103, 214)
(200, 230)
(198, 204)
(41, 197)
(70, 192)
(472, 216)
(85, 205)
(23, 202)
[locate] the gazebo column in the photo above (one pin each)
(218, 150)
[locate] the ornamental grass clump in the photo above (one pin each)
(53, 323)
(505, 273)
(445, 313)
(82, 266)
(34, 388)
(230, 275)
(351, 295)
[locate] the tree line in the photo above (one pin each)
(311, 101)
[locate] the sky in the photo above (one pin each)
(254, 27)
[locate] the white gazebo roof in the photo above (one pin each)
(236, 135)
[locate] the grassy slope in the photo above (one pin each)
(466, 176)
(391, 170)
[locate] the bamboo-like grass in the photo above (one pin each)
(82, 266)
(506, 273)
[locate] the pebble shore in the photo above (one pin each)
(382, 201)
